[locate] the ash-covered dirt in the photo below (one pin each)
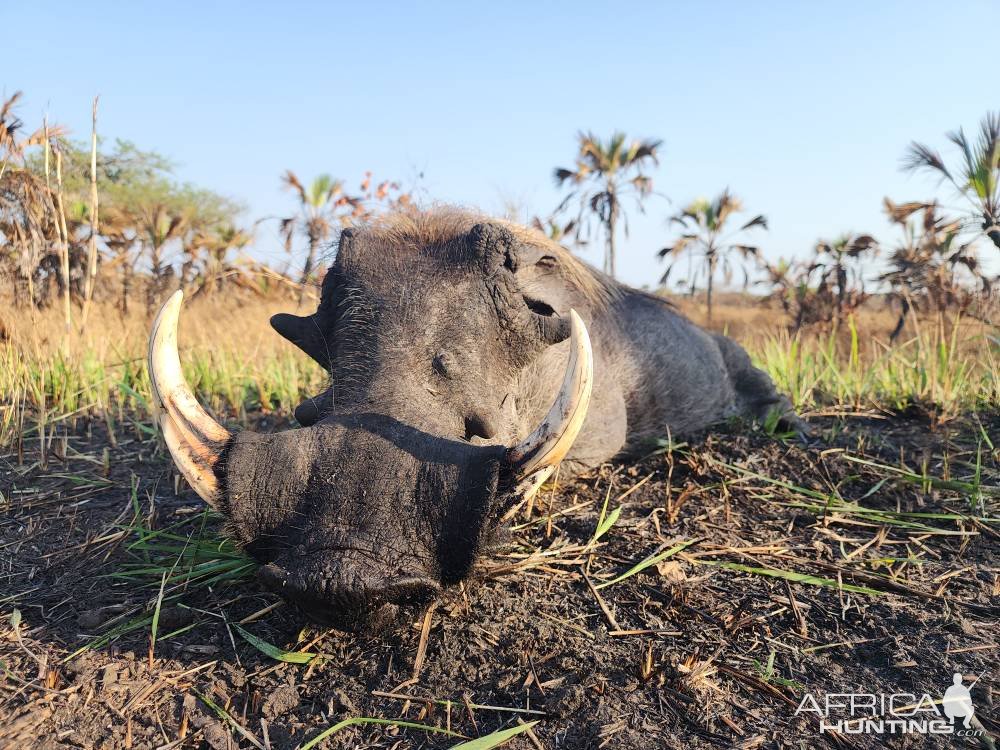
(692, 652)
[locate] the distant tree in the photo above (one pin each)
(605, 172)
(214, 244)
(145, 211)
(318, 204)
(158, 225)
(706, 233)
(789, 286)
(554, 229)
(380, 197)
(324, 205)
(840, 264)
(976, 178)
(925, 267)
(28, 221)
(150, 213)
(826, 288)
(121, 238)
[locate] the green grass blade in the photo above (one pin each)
(496, 739)
(224, 715)
(156, 614)
(935, 482)
(790, 575)
(381, 722)
(269, 649)
(649, 561)
(606, 523)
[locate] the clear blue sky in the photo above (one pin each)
(802, 108)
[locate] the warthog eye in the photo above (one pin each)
(538, 307)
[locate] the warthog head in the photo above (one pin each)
(411, 458)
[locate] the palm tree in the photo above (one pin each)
(27, 227)
(789, 283)
(924, 269)
(977, 177)
(553, 228)
(159, 225)
(216, 243)
(317, 206)
(120, 233)
(28, 216)
(839, 263)
(704, 225)
(605, 172)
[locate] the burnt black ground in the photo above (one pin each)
(676, 656)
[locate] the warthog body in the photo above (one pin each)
(445, 338)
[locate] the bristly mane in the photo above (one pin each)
(440, 225)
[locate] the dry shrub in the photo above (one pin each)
(930, 271)
(827, 288)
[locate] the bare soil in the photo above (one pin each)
(675, 656)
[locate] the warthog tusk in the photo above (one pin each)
(549, 443)
(193, 437)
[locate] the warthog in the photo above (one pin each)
(467, 358)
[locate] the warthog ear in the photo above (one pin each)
(311, 332)
(306, 332)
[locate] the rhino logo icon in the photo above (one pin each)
(957, 701)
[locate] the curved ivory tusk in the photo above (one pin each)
(196, 470)
(549, 443)
(194, 439)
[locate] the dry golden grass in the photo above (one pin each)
(231, 322)
(748, 318)
(231, 357)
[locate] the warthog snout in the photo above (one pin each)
(354, 602)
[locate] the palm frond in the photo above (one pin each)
(918, 156)
(562, 175)
(860, 244)
(757, 221)
(321, 190)
(647, 149)
(682, 243)
(899, 213)
(643, 184)
(292, 181)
